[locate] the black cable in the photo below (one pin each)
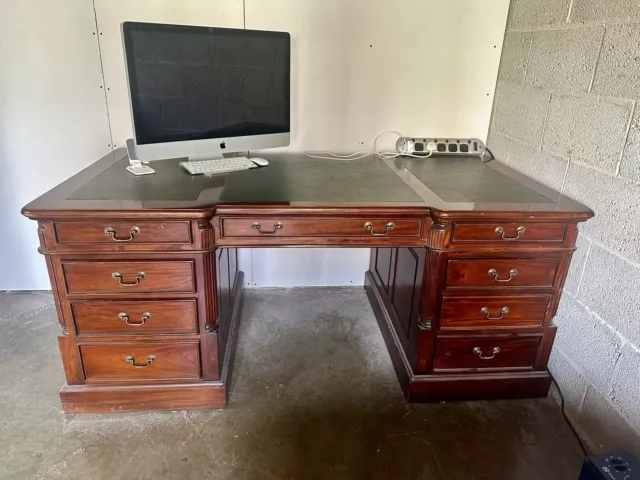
(584, 448)
(490, 153)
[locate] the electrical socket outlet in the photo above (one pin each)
(440, 146)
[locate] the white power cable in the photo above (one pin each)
(363, 154)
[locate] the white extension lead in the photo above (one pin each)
(363, 154)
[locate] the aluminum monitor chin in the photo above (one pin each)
(202, 91)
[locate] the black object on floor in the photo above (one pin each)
(611, 466)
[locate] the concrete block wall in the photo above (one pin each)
(567, 113)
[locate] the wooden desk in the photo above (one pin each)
(467, 267)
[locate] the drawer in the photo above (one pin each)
(490, 312)
(321, 227)
(504, 273)
(132, 361)
(488, 352)
(508, 232)
(122, 232)
(129, 277)
(143, 317)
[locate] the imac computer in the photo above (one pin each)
(200, 92)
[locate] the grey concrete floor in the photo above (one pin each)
(314, 396)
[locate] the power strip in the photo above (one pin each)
(440, 146)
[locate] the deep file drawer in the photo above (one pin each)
(141, 361)
(485, 352)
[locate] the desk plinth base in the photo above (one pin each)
(439, 387)
(142, 398)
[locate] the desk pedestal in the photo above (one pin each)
(457, 330)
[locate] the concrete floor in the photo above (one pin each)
(314, 397)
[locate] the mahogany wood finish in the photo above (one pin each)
(141, 398)
(320, 227)
(149, 295)
(142, 317)
(520, 233)
(122, 232)
(493, 312)
(485, 353)
(133, 276)
(501, 273)
(141, 361)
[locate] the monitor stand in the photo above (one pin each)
(136, 166)
(219, 156)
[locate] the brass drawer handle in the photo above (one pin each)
(488, 316)
(132, 361)
(494, 273)
(112, 233)
(118, 276)
(478, 351)
(276, 226)
(520, 230)
(390, 226)
(125, 318)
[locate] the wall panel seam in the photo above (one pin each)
(104, 83)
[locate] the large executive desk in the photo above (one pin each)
(467, 266)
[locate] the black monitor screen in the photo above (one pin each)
(193, 83)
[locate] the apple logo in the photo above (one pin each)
(223, 145)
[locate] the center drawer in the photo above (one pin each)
(129, 276)
(145, 361)
(485, 352)
(144, 317)
(504, 273)
(321, 227)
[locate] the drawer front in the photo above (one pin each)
(504, 273)
(508, 232)
(490, 312)
(134, 361)
(482, 353)
(135, 318)
(122, 233)
(129, 277)
(321, 227)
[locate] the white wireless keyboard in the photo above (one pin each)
(215, 167)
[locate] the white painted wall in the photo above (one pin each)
(53, 119)
(359, 67)
(291, 267)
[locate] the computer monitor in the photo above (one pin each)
(198, 92)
